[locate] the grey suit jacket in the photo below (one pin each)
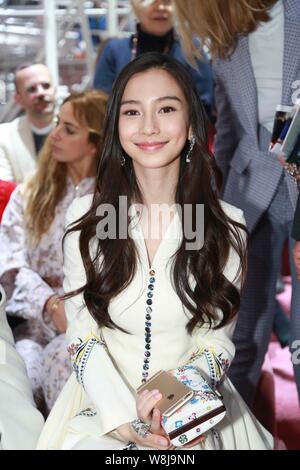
(17, 151)
(251, 173)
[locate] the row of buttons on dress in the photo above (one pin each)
(148, 324)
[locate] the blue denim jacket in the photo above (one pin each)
(117, 53)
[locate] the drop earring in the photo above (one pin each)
(192, 142)
(122, 160)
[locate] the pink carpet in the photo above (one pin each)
(277, 405)
(287, 404)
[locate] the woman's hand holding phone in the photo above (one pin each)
(149, 414)
(146, 411)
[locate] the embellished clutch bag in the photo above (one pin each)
(203, 411)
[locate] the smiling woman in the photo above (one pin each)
(136, 305)
(153, 129)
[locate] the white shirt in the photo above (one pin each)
(42, 130)
(266, 46)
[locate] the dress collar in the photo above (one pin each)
(168, 245)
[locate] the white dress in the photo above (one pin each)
(86, 413)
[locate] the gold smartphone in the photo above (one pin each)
(174, 393)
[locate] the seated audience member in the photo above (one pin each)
(22, 139)
(20, 421)
(31, 235)
(154, 32)
(138, 300)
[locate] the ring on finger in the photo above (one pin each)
(141, 428)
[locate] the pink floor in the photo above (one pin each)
(279, 409)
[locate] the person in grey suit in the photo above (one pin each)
(22, 139)
(255, 45)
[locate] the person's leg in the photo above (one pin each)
(295, 320)
(32, 354)
(56, 369)
(255, 318)
(281, 325)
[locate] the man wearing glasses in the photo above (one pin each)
(22, 139)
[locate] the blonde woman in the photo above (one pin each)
(255, 44)
(31, 235)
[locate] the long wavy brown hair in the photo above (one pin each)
(217, 23)
(47, 186)
(112, 266)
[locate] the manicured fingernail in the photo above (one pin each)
(163, 442)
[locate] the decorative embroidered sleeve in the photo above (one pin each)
(213, 363)
(80, 351)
